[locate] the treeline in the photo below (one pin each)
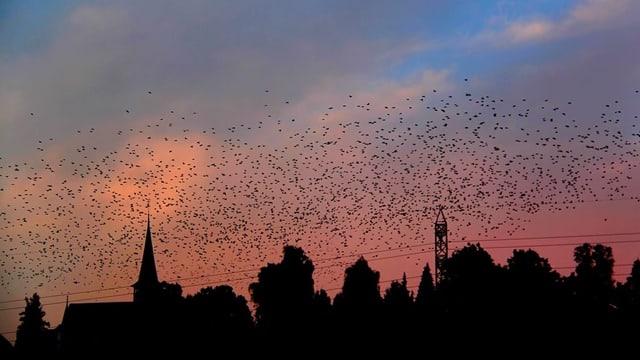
(477, 307)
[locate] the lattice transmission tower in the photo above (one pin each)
(441, 245)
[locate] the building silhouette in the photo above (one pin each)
(147, 288)
(124, 326)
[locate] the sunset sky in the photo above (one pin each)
(336, 126)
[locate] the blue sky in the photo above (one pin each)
(92, 52)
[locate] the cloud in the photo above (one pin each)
(583, 19)
(103, 58)
(605, 13)
(526, 31)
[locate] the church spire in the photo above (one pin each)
(147, 283)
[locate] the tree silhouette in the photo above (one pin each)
(398, 297)
(628, 295)
(592, 282)
(323, 316)
(358, 307)
(533, 286)
(427, 307)
(284, 304)
(399, 308)
(533, 296)
(284, 292)
(33, 337)
(217, 314)
(221, 309)
(594, 312)
(633, 286)
(471, 283)
(170, 293)
(6, 348)
(426, 295)
(525, 303)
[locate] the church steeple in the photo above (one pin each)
(147, 285)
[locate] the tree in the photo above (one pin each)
(33, 337)
(427, 306)
(592, 292)
(533, 286)
(592, 282)
(217, 314)
(632, 286)
(358, 306)
(399, 306)
(628, 295)
(170, 293)
(533, 294)
(322, 303)
(398, 296)
(322, 316)
(284, 304)
(6, 348)
(221, 309)
(471, 284)
(284, 292)
(425, 298)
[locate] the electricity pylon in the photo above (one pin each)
(441, 244)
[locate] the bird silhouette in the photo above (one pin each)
(362, 177)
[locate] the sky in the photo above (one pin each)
(336, 126)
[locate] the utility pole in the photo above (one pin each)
(441, 244)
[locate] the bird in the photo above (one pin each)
(357, 176)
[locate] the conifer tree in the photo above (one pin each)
(33, 336)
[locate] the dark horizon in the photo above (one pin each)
(471, 290)
(618, 278)
(553, 294)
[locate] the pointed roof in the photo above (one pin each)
(148, 273)
(440, 219)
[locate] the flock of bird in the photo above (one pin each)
(360, 177)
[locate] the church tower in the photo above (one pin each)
(147, 287)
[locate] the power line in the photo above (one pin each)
(71, 293)
(382, 251)
(563, 244)
(202, 284)
(64, 302)
(217, 274)
(252, 277)
(556, 237)
(359, 254)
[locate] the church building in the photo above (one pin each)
(120, 327)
